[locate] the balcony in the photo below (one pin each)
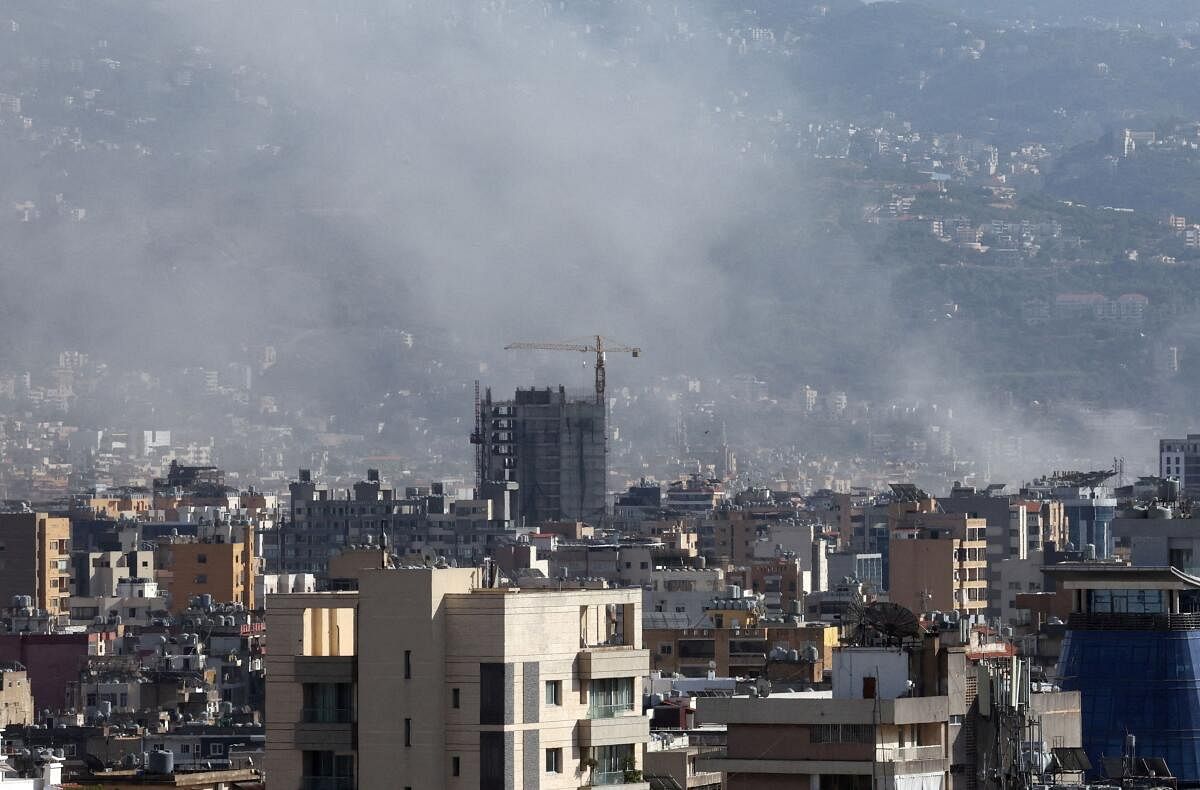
(328, 716)
(612, 662)
(610, 711)
(905, 754)
(617, 729)
(323, 669)
(327, 783)
(610, 778)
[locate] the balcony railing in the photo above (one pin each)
(1101, 621)
(328, 783)
(328, 716)
(609, 711)
(600, 778)
(902, 754)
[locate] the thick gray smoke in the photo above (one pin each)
(327, 176)
(506, 170)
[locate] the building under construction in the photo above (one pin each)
(552, 446)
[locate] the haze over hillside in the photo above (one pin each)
(385, 193)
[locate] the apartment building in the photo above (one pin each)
(98, 573)
(214, 566)
(938, 562)
(428, 678)
(1180, 458)
(868, 735)
(35, 559)
(900, 716)
(16, 696)
(694, 650)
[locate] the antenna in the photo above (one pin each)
(477, 440)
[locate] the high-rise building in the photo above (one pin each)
(35, 559)
(939, 563)
(1132, 650)
(1180, 458)
(1088, 508)
(427, 678)
(552, 446)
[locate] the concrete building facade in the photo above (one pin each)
(553, 447)
(35, 559)
(425, 678)
(16, 696)
(940, 564)
(220, 569)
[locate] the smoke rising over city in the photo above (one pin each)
(387, 193)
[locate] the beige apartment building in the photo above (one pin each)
(425, 678)
(35, 555)
(16, 695)
(939, 563)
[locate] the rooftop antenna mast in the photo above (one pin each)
(477, 440)
(598, 345)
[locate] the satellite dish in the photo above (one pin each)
(893, 620)
(882, 623)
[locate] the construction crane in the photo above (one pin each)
(598, 345)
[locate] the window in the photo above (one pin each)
(455, 699)
(325, 765)
(554, 761)
(491, 761)
(407, 664)
(455, 765)
(1126, 601)
(665, 649)
(408, 732)
(841, 733)
(553, 692)
(201, 578)
(609, 697)
(491, 693)
(612, 760)
(202, 558)
(187, 748)
(216, 749)
(328, 703)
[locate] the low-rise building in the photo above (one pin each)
(16, 695)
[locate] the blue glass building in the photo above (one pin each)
(1132, 650)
